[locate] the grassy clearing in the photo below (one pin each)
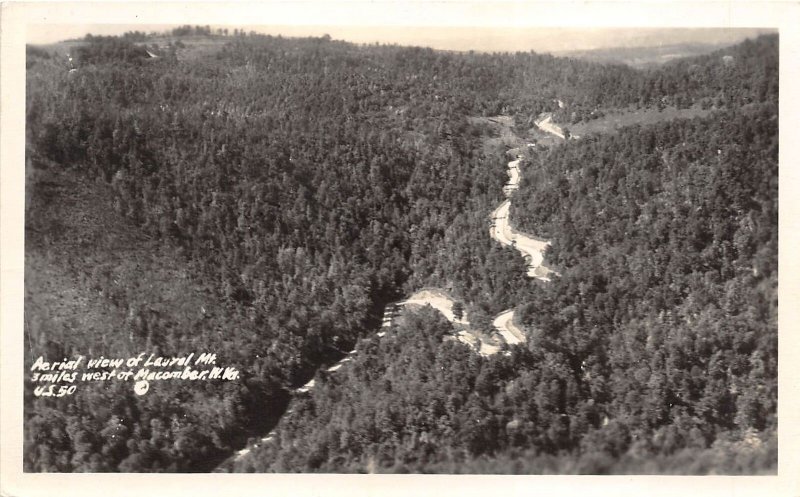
(497, 134)
(613, 121)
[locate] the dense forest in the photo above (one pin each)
(656, 350)
(265, 200)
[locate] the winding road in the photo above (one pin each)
(532, 249)
(533, 252)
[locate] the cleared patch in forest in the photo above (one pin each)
(497, 133)
(612, 121)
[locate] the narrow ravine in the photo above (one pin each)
(530, 248)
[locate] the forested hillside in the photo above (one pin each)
(267, 199)
(655, 351)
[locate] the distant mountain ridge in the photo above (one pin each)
(644, 56)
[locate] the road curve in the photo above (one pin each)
(504, 323)
(438, 301)
(501, 230)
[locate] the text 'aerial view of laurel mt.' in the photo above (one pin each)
(256, 251)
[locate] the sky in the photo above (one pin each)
(489, 39)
